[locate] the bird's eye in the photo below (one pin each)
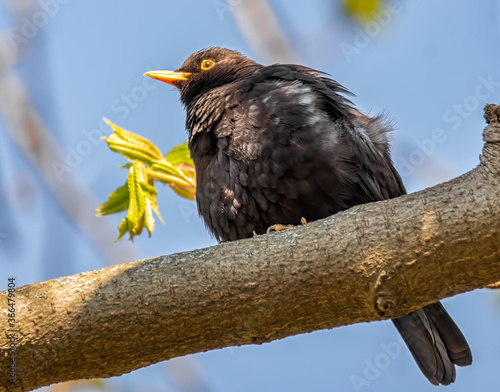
(207, 64)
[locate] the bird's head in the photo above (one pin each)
(205, 70)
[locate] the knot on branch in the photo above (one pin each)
(385, 299)
(491, 133)
(385, 303)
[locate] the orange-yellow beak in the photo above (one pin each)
(169, 77)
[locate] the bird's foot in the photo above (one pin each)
(280, 227)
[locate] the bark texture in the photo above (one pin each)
(371, 262)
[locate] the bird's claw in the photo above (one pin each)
(280, 227)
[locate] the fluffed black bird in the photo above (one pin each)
(273, 144)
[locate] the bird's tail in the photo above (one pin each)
(435, 341)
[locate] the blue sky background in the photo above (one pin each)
(431, 68)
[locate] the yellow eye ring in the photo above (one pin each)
(207, 64)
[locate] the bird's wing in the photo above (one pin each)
(368, 172)
(288, 159)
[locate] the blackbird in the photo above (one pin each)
(275, 144)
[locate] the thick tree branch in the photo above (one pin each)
(371, 262)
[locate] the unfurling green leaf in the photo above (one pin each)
(135, 141)
(123, 228)
(137, 199)
(117, 202)
(148, 166)
(179, 155)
